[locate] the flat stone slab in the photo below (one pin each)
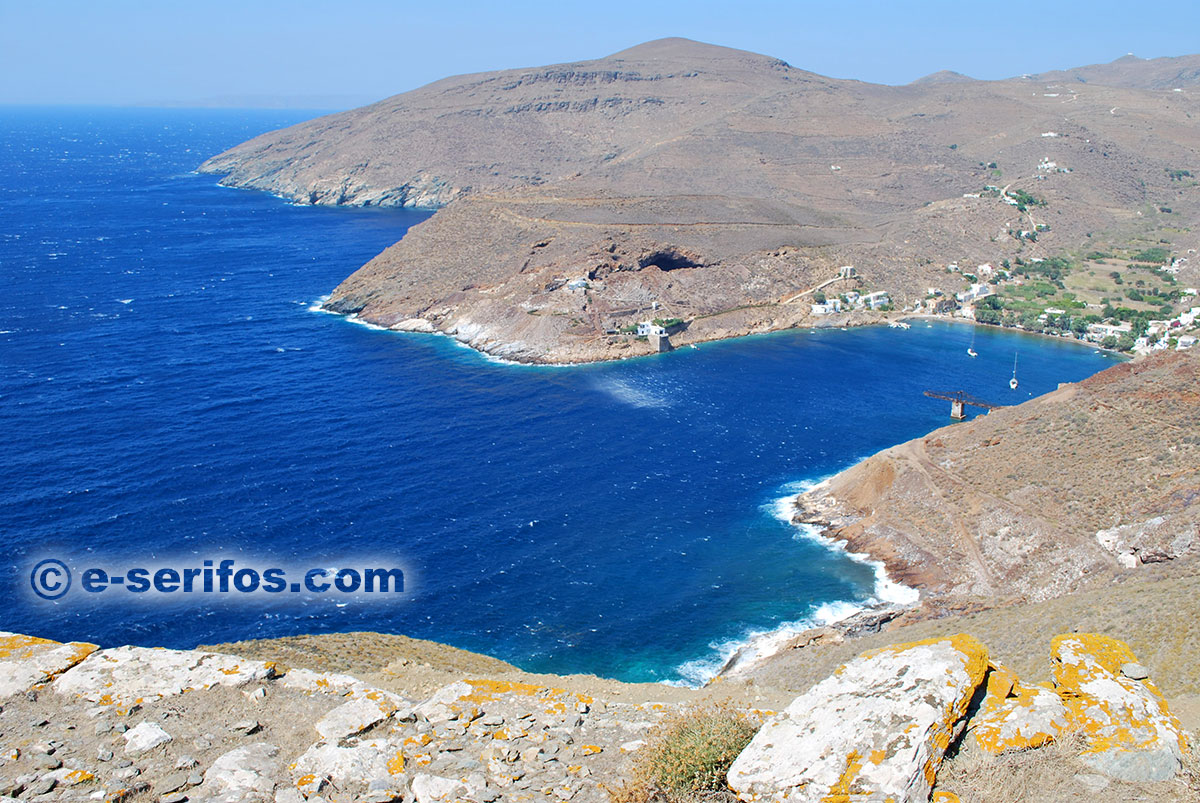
(126, 676)
(241, 776)
(876, 729)
(1131, 734)
(28, 661)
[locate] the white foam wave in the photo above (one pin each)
(754, 646)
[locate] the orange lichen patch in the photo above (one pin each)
(76, 777)
(418, 741)
(17, 646)
(877, 756)
(423, 759)
(574, 768)
(840, 791)
(590, 749)
(944, 797)
(230, 671)
(485, 690)
(395, 764)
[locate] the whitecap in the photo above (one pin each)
(754, 646)
(625, 391)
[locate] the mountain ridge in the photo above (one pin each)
(760, 178)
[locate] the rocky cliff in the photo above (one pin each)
(1091, 484)
(677, 179)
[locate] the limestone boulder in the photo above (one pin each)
(876, 729)
(27, 661)
(1130, 732)
(243, 775)
(144, 737)
(1017, 716)
(354, 717)
(126, 676)
(371, 762)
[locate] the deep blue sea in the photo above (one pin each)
(167, 395)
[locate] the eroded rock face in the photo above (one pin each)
(877, 728)
(1016, 715)
(125, 676)
(1130, 732)
(28, 661)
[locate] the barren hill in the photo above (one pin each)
(1131, 72)
(1094, 483)
(679, 179)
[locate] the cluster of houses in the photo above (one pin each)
(1160, 333)
(852, 300)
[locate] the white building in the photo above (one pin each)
(1185, 342)
(831, 306)
(647, 328)
(876, 300)
(1097, 332)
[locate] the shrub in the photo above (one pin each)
(687, 758)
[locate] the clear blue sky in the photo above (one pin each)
(120, 52)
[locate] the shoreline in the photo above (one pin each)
(873, 320)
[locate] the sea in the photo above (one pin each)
(169, 395)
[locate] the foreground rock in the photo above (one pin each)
(876, 729)
(1130, 732)
(28, 661)
(1017, 716)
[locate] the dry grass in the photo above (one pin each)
(1054, 774)
(687, 758)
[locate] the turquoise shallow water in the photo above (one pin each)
(169, 395)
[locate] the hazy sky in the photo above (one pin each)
(119, 52)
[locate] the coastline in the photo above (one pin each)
(855, 321)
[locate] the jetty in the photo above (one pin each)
(960, 399)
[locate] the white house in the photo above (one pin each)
(1185, 342)
(876, 300)
(646, 328)
(829, 307)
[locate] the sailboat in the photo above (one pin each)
(1012, 383)
(971, 348)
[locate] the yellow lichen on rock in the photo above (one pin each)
(877, 729)
(1130, 732)
(840, 791)
(1015, 715)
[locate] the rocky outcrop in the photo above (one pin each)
(1130, 732)
(1089, 484)
(28, 661)
(154, 723)
(1017, 716)
(876, 729)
